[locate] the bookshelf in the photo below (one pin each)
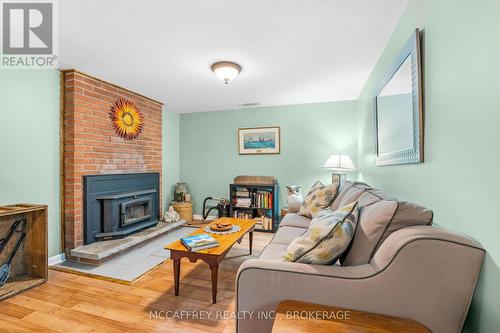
(256, 201)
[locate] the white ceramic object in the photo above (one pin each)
(294, 196)
(171, 215)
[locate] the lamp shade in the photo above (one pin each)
(339, 163)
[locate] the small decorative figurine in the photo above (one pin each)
(294, 196)
(171, 215)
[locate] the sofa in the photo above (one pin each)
(398, 264)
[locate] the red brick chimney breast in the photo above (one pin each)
(92, 147)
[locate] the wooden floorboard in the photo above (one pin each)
(74, 303)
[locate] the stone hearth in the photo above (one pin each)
(99, 252)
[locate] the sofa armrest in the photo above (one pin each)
(398, 240)
(419, 273)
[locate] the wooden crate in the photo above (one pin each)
(256, 180)
(30, 265)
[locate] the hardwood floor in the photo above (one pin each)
(73, 303)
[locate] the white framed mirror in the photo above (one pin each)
(399, 109)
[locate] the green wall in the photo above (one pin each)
(29, 143)
(309, 134)
(171, 137)
(462, 112)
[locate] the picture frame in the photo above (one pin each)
(259, 140)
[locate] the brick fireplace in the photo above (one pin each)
(91, 146)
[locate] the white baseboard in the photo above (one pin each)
(200, 217)
(57, 259)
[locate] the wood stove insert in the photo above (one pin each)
(118, 205)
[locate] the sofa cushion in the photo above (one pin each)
(285, 235)
(372, 195)
(325, 240)
(272, 252)
(348, 193)
(379, 216)
(319, 197)
(295, 220)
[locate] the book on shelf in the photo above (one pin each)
(268, 223)
(242, 215)
(263, 199)
(264, 222)
(199, 242)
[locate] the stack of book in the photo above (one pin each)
(199, 242)
(243, 198)
(243, 202)
(242, 192)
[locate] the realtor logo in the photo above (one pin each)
(28, 34)
(27, 28)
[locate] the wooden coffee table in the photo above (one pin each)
(211, 256)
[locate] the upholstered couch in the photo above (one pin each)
(398, 264)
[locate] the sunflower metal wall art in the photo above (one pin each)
(127, 119)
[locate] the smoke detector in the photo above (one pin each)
(248, 105)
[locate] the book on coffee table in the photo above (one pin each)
(199, 242)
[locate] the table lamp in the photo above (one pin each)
(340, 164)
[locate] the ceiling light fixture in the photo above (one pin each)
(226, 70)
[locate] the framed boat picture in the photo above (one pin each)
(259, 140)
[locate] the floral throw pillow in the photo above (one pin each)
(319, 197)
(326, 239)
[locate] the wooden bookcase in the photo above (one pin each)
(30, 265)
(271, 210)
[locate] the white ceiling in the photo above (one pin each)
(291, 51)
